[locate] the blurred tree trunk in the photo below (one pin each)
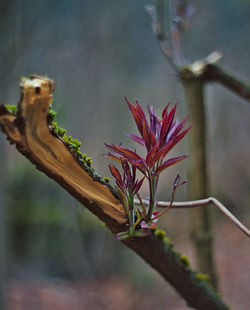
(200, 226)
(2, 228)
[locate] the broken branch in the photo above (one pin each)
(29, 131)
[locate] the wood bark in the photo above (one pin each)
(30, 132)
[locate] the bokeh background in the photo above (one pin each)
(54, 254)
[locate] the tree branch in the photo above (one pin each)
(215, 73)
(30, 131)
(159, 33)
(207, 70)
(200, 203)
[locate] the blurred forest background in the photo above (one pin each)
(54, 253)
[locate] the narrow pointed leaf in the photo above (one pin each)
(149, 159)
(146, 134)
(166, 124)
(127, 174)
(115, 173)
(176, 129)
(136, 139)
(112, 156)
(140, 110)
(126, 153)
(152, 118)
(168, 163)
(165, 111)
(176, 139)
(137, 186)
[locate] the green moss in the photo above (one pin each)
(84, 156)
(186, 69)
(61, 132)
(89, 161)
(160, 234)
(167, 241)
(12, 109)
(74, 146)
(52, 114)
(202, 276)
(184, 260)
(71, 142)
(218, 294)
(106, 179)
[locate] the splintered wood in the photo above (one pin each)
(30, 132)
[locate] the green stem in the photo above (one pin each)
(152, 196)
(131, 215)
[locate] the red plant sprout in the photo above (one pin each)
(128, 186)
(158, 137)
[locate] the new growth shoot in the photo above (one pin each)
(158, 137)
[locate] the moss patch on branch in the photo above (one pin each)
(74, 146)
(12, 109)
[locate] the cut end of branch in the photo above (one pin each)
(29, 130)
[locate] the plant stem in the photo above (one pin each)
(131, 215)
(168, 207)
(151, 180)
(144, 212)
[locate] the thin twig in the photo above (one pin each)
(144, 211)
(200, 203)
(210, 72)
(168, 207)
(158, 31)
(214, 73)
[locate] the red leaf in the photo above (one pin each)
(138, 114)
(137, 186)
(169, 163)
(161, 152)
(166, 124)
(149, 159)
(140, 110)
(177, 128)
(146, 134)
(124, 152)
(175, 140)
(127, 173)
(165, 111)
(136, 139)
(114, 157)
(115, 173)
